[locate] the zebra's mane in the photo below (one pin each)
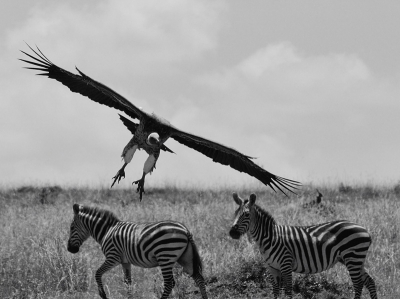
(264, 213)
(101, 213)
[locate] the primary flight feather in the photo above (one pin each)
(151, 132)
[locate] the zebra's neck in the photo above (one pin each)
(98, 223)
(262, 225)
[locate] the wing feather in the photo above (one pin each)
(83, 84)
(228, 156)
(131, 126)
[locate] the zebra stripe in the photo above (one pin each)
(307, 249)
(147, 245)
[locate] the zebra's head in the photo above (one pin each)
(78, 232)
(241, 223)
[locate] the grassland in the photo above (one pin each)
(34, 229)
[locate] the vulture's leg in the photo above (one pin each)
(120, 174)
(149, 165)
(140, 187)
(127, 155)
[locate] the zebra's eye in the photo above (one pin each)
(72, 225)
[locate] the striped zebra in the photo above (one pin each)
(307, 249)
(145, 245)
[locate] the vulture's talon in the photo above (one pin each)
(120, 175)
(140, 188)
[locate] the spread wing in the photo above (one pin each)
(83, 84)
(130, 125)
(229, 156)
(132, 128)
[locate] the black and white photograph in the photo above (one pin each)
(199, 149)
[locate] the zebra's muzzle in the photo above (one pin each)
(72, 249)
(234, 233)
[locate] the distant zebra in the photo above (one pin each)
(323, 208)
(145, 245)
(307, 249)
(315, 202)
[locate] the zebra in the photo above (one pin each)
(315, 202)
(304, 249)
(145, 245)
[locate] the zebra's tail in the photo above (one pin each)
(197, 264)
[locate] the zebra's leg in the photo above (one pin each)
(107, 265)
(128, 278)
(275, 279)
(186, 260)
(358, 283)
(169, 282)
(196, 274)
(199, 280)
(370, 284)
(287, 279)
(356, 270)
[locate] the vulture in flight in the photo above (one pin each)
(152, 131)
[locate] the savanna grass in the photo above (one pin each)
(34, 227)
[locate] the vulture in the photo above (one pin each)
(150, 132)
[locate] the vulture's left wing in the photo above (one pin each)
(228, 156)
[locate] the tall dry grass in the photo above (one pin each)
(34, 228)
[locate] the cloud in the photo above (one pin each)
(128, 45)
(277, 77)
(269, 59)
(304, 116)
(145, 32)
(319, 111)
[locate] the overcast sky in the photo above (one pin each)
(311, 88)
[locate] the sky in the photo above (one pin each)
(310, 88)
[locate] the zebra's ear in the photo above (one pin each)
(237, 199)
(76, 208)
(252, 199)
